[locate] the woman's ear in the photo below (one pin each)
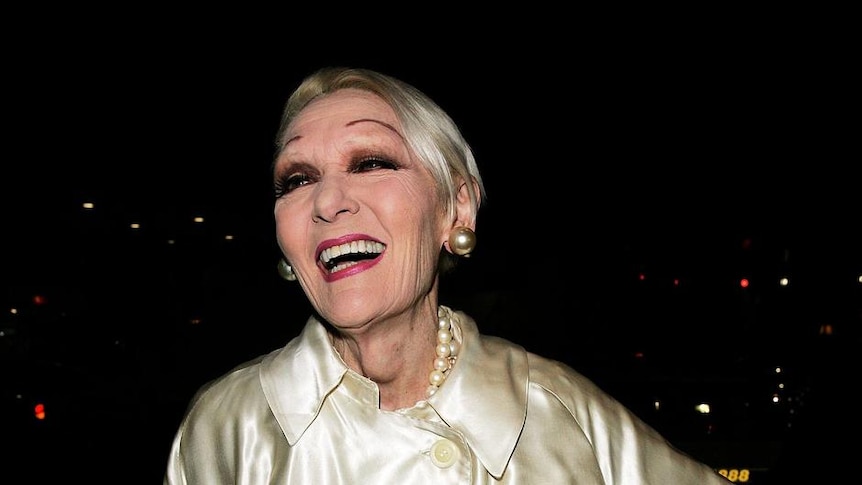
(466, 205)
(460, 238)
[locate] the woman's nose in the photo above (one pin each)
(333, 197)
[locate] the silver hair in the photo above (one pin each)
(428, 130)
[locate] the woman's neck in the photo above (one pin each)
(397, 356)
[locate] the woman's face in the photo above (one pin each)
(357, 215)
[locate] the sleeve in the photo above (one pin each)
(175, 473)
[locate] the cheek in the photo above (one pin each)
(426, 216)
(287, 223)
(419, 199)
(418, 208)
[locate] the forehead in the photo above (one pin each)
(339, 109)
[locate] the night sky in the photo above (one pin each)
(701, 156)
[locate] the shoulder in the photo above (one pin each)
(215, 428)
(545, 374)
(229, 394)
(589, 404)
(564, 381)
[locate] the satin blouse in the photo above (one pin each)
(299, 415)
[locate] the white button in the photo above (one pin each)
(444, 453)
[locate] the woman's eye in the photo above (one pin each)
(286, 185)
(289, 182)
(373, 163)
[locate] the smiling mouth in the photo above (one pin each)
(343, 256)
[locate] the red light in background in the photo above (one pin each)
(39, 411)
(38, 300)
(743, 283)
(641, 276)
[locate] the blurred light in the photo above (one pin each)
(657, 405)
(776, 399)
(641, 276)
(676, 282)
(826, 329)
(783, 281)
(135, 225)
(744, 283)
(13, 311)
(702, 408)
(778, 370)
(229, 237)
(88, 205)
(39, 411)
(38, 300)
(859, 279)
(171, 242)
(198, 219)
(195, 321)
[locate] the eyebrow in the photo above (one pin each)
(381, 123)
(354, 122)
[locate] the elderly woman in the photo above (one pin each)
(376, 193)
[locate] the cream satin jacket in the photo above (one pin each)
(504, 416)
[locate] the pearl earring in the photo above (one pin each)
(462, 241)
(285, 270)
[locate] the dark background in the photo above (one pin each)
(693, 152)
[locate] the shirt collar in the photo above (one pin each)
(297, 378)
(488, 367)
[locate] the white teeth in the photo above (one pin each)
(353, 247)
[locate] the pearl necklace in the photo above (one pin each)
(447, 352)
